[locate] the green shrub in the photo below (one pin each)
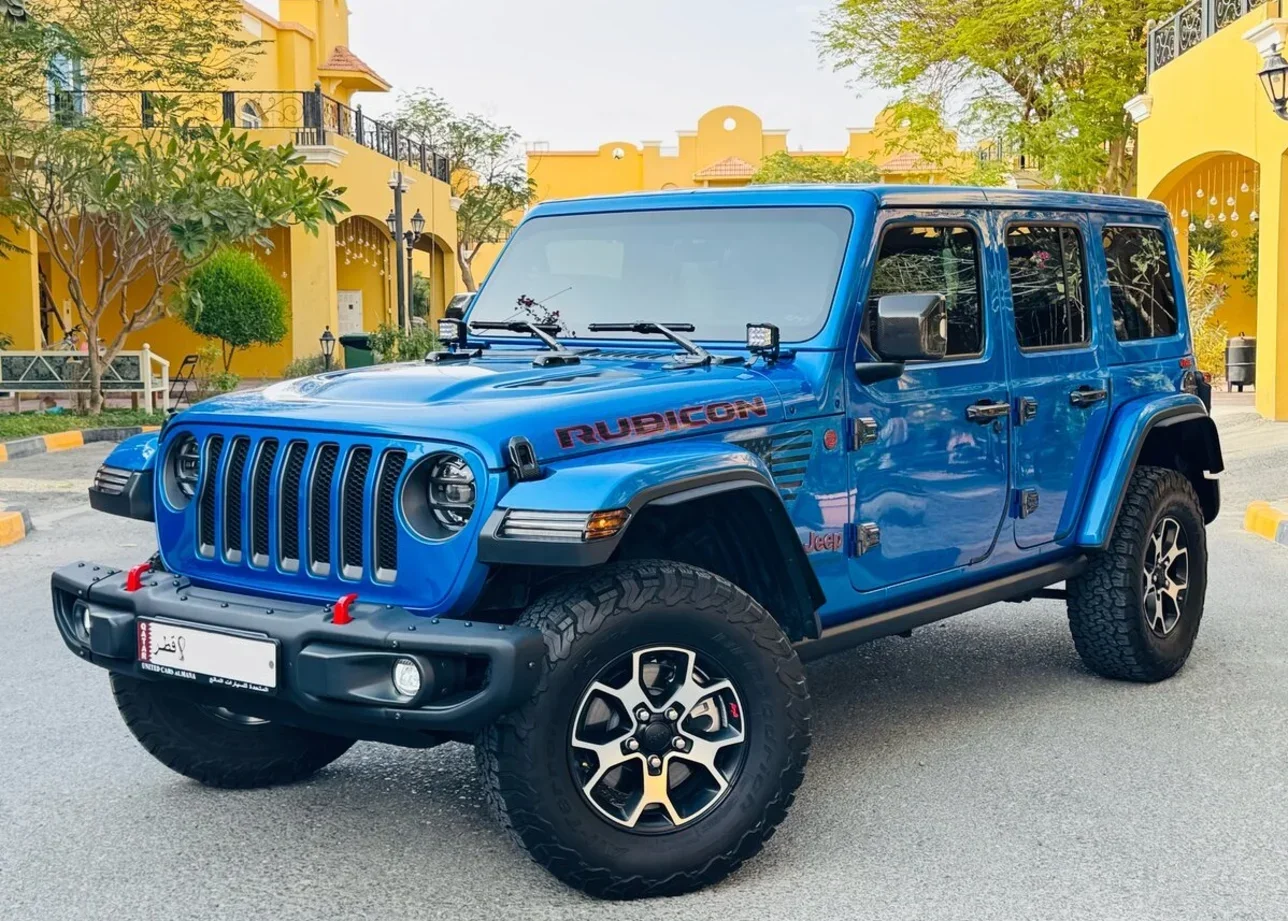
(313, 364)
(6, 341)
(389, 343)
(209, 379)
(234, 299)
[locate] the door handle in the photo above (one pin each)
(1086, 396)
(986, 411)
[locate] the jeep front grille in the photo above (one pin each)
(300, 506)
(111, 480)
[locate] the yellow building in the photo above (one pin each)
(300, 90)
(723, 151)
(1212, 148)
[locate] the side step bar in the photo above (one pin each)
(919, 614)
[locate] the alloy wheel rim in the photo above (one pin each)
(658, 739)
(1165, 576)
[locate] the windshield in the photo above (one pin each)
(717, 268)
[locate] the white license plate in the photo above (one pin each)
(204, 656)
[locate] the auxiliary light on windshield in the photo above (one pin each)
(452, 333)
(762, 339)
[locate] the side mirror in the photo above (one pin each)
(911, 327)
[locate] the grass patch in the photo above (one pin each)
(23, 425)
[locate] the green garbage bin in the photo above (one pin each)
(357, 351)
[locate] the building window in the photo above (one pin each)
(66, 84)
(942, 259)
(1048, 286)
(250, 116)
(1140, 283)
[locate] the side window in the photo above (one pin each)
(1048, 286)
(939, 259)
(1140, 283)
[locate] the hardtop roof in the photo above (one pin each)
(887, 196)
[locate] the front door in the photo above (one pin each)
(930, 483)
(350, 307)
(1058, 381)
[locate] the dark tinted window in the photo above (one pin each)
(1140, 282)
(1048, 286)
(718, 268)
(938, 260)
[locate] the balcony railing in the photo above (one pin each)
(311, 115)
(1190, 25)
(1013, 155)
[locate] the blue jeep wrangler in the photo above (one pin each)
(679, 444)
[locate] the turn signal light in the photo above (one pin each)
(606, 524)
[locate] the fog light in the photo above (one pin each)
(81, 613)
(407, 678)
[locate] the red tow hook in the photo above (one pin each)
(134, 578)
(341, 614)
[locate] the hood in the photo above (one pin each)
(605, 401)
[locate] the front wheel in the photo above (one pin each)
(666, 740)
(216, 746)
(1134, 611)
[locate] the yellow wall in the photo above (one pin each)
(1196, 122)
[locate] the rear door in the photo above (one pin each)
(1059, 378)
(930, 478)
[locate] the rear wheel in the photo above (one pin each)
(666, 740)
(216, 745)
(1134, 611)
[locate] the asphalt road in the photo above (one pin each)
(973, 771)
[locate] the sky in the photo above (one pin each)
(580, 73)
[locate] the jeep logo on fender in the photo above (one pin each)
(672, 420)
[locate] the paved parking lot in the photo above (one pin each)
(973, 771)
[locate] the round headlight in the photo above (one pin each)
(451, 491)
(182, 470)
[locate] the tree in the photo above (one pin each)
(489, 172)
(780, 167)
(125, 211)
(1050, 76)
(234, 299)
(920, 128)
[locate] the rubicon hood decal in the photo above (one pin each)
(644, 425)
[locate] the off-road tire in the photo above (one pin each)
(218, 752)
(1106, 604)
(616, 609)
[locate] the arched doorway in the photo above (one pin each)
(1214, 203)
(363, 273)
(433, 276)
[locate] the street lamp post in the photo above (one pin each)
(327, 342)
(395, 221)
(410, 237)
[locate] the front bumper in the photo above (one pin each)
(330, 677)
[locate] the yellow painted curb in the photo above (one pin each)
(13, 528)
(4, 454)
(1264, 519)
(150, 428)
(64, 440)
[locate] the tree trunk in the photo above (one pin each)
(467, 273)
(95, 369)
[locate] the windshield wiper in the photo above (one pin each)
(697, 354)
(543, 331)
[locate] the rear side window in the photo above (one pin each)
(1048, 286)
(938, 259)
(1140, 283)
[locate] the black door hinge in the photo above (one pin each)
(863, 431)
(860, 538)
(1026, 502)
